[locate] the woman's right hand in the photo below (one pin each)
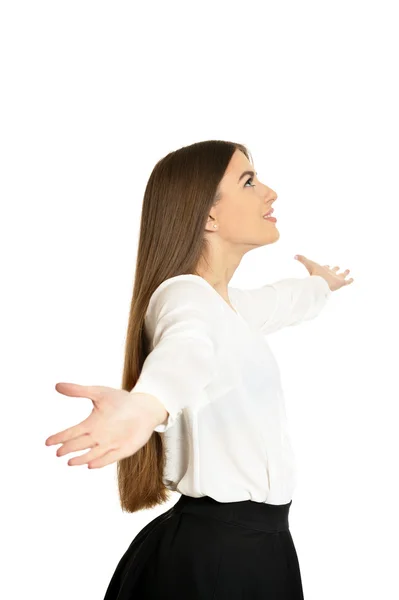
(119, 425)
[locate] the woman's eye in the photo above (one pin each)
(250, 179)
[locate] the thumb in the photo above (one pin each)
(77, 390)
(305, 261)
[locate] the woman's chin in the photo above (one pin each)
(272, 236)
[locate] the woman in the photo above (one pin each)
(201, 409)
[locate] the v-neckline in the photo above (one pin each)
(232, 308)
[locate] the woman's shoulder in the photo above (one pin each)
(185, 292)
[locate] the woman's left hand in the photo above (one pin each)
(334, 279)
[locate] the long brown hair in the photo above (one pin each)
(180, 192)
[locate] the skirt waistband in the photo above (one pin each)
(247, 513)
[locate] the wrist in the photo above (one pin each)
(154, 407)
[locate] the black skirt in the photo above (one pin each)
(202, 549)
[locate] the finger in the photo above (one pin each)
(107, 459)
(68, 434)
(71, 389)
(335, 269)
(81, 443)
(83, 459)
(77, 390)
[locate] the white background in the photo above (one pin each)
(93, 94)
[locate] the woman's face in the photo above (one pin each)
(244, 201)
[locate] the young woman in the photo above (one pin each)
(201, 409)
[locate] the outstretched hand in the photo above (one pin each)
(119, 425)
(334, 279)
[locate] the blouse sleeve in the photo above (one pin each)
(283, 303)
(181, 325)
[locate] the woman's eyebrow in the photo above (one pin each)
(246, 173)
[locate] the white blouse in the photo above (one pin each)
(213, 370)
